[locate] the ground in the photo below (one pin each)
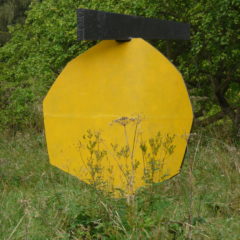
(40, 202)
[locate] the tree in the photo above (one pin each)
(11, 12)
(214, 57)
(40, 48)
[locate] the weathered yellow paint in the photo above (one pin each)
(117, 81)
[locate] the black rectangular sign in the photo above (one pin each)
(99, 25)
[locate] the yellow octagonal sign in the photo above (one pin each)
(118, 117)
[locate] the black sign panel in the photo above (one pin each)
(99, 25)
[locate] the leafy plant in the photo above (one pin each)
(93, 150)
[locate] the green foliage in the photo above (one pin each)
(214, 49)
(11, 12)
(40, 48)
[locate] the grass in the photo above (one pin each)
(40, 202)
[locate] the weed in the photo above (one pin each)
(154, 153)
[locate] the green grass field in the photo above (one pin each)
(40, 202)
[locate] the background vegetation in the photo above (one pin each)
(37, 201)
(40, 48)
(11, 12)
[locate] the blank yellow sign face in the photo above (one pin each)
(118, 116)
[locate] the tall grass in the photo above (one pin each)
(40, 202)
